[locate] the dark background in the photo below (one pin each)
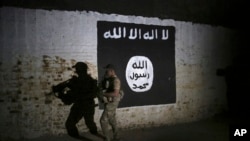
(229, 13)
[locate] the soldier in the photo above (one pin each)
(81, 93)
(111, 86)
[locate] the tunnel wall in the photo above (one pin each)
(38, 48)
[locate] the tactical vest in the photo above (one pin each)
(110, 84)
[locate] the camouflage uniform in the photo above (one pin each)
(109, 113)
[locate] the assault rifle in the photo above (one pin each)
(62, 92)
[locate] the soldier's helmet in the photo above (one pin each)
(80, 67)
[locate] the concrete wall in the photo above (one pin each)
(39, 47)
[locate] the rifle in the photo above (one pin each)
(62, 92)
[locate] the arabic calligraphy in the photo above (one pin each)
(136, 76)
(139, 73)
(143, 86)
(136, 33)
(140, 64)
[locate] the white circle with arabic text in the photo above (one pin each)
(139, 73)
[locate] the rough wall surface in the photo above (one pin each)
(38, 48)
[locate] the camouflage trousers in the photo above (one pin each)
(109, 118)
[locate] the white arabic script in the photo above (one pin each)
(135, 33)
(139, 73)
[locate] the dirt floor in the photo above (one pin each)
(212, 129)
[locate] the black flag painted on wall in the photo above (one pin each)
(144, 57)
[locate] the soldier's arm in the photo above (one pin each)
(59, 87)
(112, 94)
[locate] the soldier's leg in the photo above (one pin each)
(112, 119)
(89, 120)
(72, 120)
(105, 123)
